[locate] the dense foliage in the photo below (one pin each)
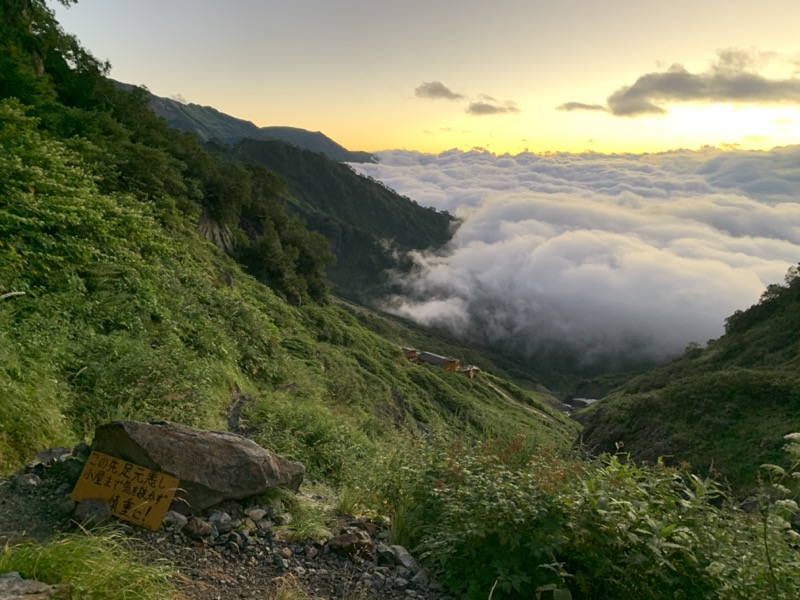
(370, 227)
(724, 407)
(499, 520)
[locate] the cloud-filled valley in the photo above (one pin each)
(607, 254)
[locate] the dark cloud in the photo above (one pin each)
(601, 252)
(486, 105)
(481, 106)
(733, 77)
(570, 106)
(436, 90)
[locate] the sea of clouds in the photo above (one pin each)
(607, 254)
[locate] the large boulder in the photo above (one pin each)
(212, 465)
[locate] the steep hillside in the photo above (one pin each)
(723, 408)
(207, 123)
(107, 314)
(369, 227)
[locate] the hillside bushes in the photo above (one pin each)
(548, 526)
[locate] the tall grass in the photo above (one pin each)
(100, 565)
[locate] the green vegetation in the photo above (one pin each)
(520, 524)
(112, 307)
(370, 228)
(98, 565)
(723, 409)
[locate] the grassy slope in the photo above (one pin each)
(123, 318)
(725, 407)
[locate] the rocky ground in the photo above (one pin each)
(234, 550)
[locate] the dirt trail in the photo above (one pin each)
(530, 409)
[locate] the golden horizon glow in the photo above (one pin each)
(339, 68)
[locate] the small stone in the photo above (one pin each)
(221, 520)
(402, 557)
(285, 552)
(420, 580)
(174, 520)
(256, 513)
(81, 451)
(28, 481)
(199, 528)
(66, 505)
(283, 519)
(312, 552)
(401, 583)
(52, 455)
(91, 512)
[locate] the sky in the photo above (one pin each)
(506, 76)
(625, 174)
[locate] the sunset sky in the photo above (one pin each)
(509, 75)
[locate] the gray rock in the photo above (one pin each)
(66, 505)
(174, 520)
(402, 557)
(13, 587)
(256, 513)
(421, 579)
(401, 583)
(212, 466)
(221, 520)
(91, 512)
(81, 451)
(27, 481)
(51, 455)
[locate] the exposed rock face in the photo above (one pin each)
(219, 235)
(212, 466)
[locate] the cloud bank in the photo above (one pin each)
(733, 77)
(606, 254)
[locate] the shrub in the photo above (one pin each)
(566, 527)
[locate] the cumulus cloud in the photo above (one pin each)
(733, 77)
(570, 106)
(480, 106)
(486, 105)
(436, 90)
(604, 254)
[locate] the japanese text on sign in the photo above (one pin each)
(135, 494)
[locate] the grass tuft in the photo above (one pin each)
(97, 565)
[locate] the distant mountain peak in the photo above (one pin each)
(209, 123)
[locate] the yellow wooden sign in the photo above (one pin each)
(135, 494)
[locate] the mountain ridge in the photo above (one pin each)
(209, 123)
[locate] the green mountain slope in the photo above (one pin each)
(113, 307)
(724, 408)
(370, 228)
(207, 123)
(107, 314)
